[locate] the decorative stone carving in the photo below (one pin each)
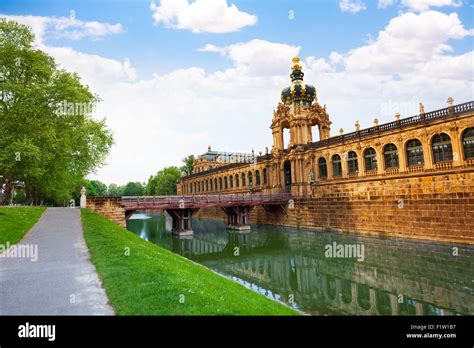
(421, 108)
(450, 102)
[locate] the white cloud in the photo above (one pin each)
(352, 6)
(407, 40)
(385, 3)
(252, 57)
(424, 5)
(336, 58)
(420, 5)
(66, 27)
(201, 16)
(93, 69)
(212, 48)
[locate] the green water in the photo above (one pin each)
(394, 276)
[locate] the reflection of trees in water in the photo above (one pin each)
(363, 296)
(407, 307)
(291, 262)
(383, 302)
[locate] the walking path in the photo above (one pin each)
(62, 281)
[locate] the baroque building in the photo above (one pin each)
(415, 171)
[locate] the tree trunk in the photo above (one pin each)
(7, 192)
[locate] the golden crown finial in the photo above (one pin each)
(296, 64)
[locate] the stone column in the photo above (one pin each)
(83, 198)
(380, 161)
(402, 157)
(360, 162)
(344, 157)
(329, 167)
(457, 147)
(277, 138)
(427, 153)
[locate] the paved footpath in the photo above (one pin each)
(62, 281)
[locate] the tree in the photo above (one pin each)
(166, 180)
(48, 138)
(96, 188)
(134, 189)
(150, 189)
(187, 166)
(114, 190)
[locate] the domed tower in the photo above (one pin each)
(298, 111)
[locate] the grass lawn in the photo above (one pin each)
(155, 281)
(15, 222)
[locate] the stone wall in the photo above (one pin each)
(431, 206)
(109, 207)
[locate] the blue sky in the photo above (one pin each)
(319, 27)
(236, 85)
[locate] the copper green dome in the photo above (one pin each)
(298, 92)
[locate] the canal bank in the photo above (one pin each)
(396, 276)
(141, 278)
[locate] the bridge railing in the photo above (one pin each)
(228, 198)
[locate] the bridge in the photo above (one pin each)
(182, 208)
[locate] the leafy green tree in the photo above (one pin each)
(187, 166)
(150, 188)
(48, 139)
(134, 189)
(114, 190)
(166, 180)
(96, 188)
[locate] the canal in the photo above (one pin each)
(328, 273)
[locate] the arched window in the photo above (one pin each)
(220, 183)
(415, 153)
(236, 180)
(250, 179)
(243, 180)
(442, 148)
(215, 184)
(207, 185)
(468, 143)
(210, 185)
(336, 165)
(257, 178)
(231, 181)
(352, 165)
(194, 184)
(390, 155)
(225, 182)
(370, 159)
(265, 176)
(199, 186)
(322, 167)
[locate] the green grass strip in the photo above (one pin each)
(15, 222)
(155, 281)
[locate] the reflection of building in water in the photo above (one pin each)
(396, 278)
